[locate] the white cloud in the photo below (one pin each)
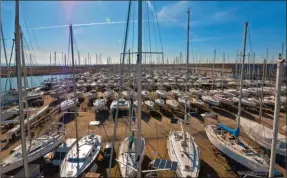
(222, 15)
(78, 30)
(171, 12)
(108, 20)
(150, 6)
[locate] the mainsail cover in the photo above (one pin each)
(235, 132)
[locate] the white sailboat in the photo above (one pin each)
(99, 103)
(172, 103)
(85, 151)
(161, 93)
(75, 163)
(263, 135)
(109, 93)
(228, 142)
(181, 145)
(132, 149)
(123, 104)
(149, 103)
(159, 102)
(184, 100)
(35, 149)
(210, 100)
(67, 104)
(128, 156)
(9, 113)
(145, 93)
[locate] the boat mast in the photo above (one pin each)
(261, 97)
(120, 88)
(222, 72)
(276, 115)
(20, 93)
(25, 84)
(0, 82)
(139, 75)
(186, 70)
(241, 77)
(75, 92)
(214, 56)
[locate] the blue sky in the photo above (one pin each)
(214, 25)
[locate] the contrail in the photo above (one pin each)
(85, 24)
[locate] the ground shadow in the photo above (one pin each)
(224, 113)
(145, 162)
(56, 102)
(178, 114)
(197, 116)
(121, 114)
(166, 113)
(155, 115)
(66, 118)
(207, 171)
(102, 116)
(145, 117)
(256, 112)
(245, 114)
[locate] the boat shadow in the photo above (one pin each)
(155, 115)
(145, 117)
(178, 114)
(66, 118)
(166, 113)
(224, 113)
(207, 171)
(56, 102)
(102, 116)
(257, 113)
(145, 162)
(245, 114)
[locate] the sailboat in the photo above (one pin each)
(86, 149)
(159, 102)
(132, 149)
(262, 134)
(181, 145)
(33, 149)
(149, 103)
(128, 156)
(228, 142)
(75, 163)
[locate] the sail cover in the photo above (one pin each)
(232, 131)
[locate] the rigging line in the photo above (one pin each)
(25, 21)
(158, 26)
(148, 32)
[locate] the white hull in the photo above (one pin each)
(210, 100)
(89, 148)
(172, 103)
(159, 102)
(127, 158)
(235, 151)
(188, 163)
(263, 135)
(32, 156)
(67, 104)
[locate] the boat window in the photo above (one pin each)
(35, 149)
(76, 160)
(283, 145)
